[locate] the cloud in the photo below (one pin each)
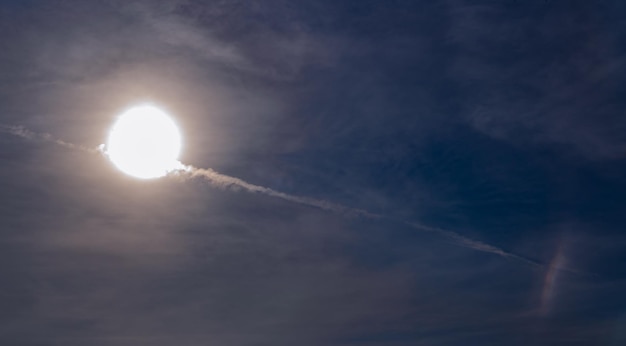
(45, 137)
(227, 182)
(540, 80)
(359, 103)
(224, 181)
(474, 244)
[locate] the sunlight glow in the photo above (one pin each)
(144, 143)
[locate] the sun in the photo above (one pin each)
(144, 143)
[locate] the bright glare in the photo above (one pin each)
(144, 143)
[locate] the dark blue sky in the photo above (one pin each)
(499, 122)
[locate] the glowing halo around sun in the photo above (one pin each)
(144, 143)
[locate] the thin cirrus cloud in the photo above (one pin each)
(567, 100)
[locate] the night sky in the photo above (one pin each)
(486, 140)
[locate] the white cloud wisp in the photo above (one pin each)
(223, 181)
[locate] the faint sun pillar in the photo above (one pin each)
(552, 274)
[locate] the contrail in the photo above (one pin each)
(20, 131)
(227, 182)
(472, 244)
(223, 181)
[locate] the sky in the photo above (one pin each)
(433, 173)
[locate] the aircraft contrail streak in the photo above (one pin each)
(20, 131)
(224, 181)
(227, 182)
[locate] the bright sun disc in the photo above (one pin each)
(144, 143)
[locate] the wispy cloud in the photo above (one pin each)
(562, 97)
(472, 244)
(20, 131)
(227, 182)
(223, 181)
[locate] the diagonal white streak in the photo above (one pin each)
(472, 244)
(227, 182)
(20, 131)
